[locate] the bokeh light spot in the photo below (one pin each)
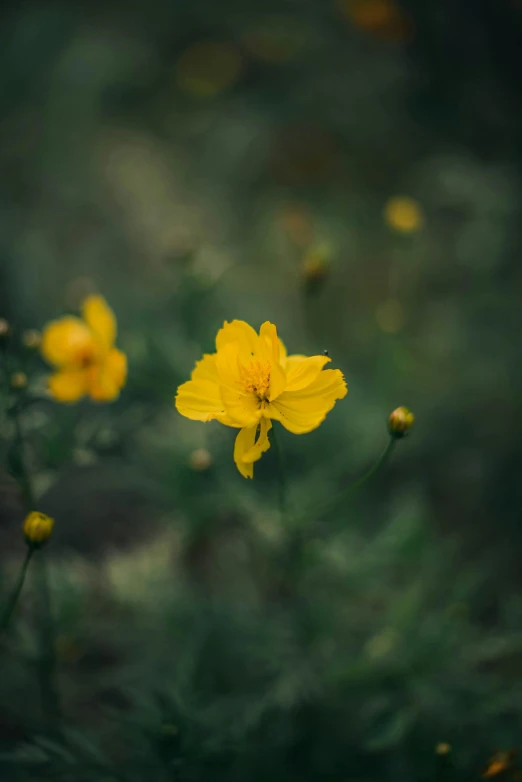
(208, 68)
(390, 316)
(403, 214)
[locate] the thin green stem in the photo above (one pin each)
(11, 605)
(281, 472)
(352, 487)
(371, 472)
(47, 657)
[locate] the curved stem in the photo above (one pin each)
(371, 472)
(11, 605)
(345, 493)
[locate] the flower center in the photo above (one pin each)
(255, 379)
(85, 357)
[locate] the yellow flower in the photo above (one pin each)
(400, 421)
(250, 382)
(83, 352)
(37, 528)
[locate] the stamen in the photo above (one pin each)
(255, 379)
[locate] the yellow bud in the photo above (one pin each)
(31, 339)
(5, 329)
(37, 528)
(316, 267)
(403, 215)
(200, 459)
(443, 748)
(400, 421)
(19, 381)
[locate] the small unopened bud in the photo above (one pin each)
(31, 339)
(5, 329)
(37, 528)
(316, 267)
(200, 459)
(19, 381)
(443, 748)
(400, 421)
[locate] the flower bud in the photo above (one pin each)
(19, 381)
(200, 459)
(5, 329)
(316, 267)
(443, 748)
(37, 528)
(400, 421)
(31, 339)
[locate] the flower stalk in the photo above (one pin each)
(13, 600)
(37, 529)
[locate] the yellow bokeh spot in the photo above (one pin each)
(200, 459)
(382, 18)
(208, 68)
(403, 214)
(390, 316)
(443, 748)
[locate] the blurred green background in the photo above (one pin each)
(194, 162)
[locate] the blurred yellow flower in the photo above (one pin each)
(83, 352)
(37, 528)
(403, 214)
(250, 382)
(443, 748)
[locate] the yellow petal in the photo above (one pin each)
(100, 319)
(291, 361)
(68, 385)
(107, 378)
(304, 410)
(302, 373)
(248, 450)
(242, 408)
(268, 349)
(67, 341)
(200, 398)
(240, 332)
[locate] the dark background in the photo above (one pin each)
(186, 160)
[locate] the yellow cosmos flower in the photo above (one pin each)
(83, 352)
(250, 381)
